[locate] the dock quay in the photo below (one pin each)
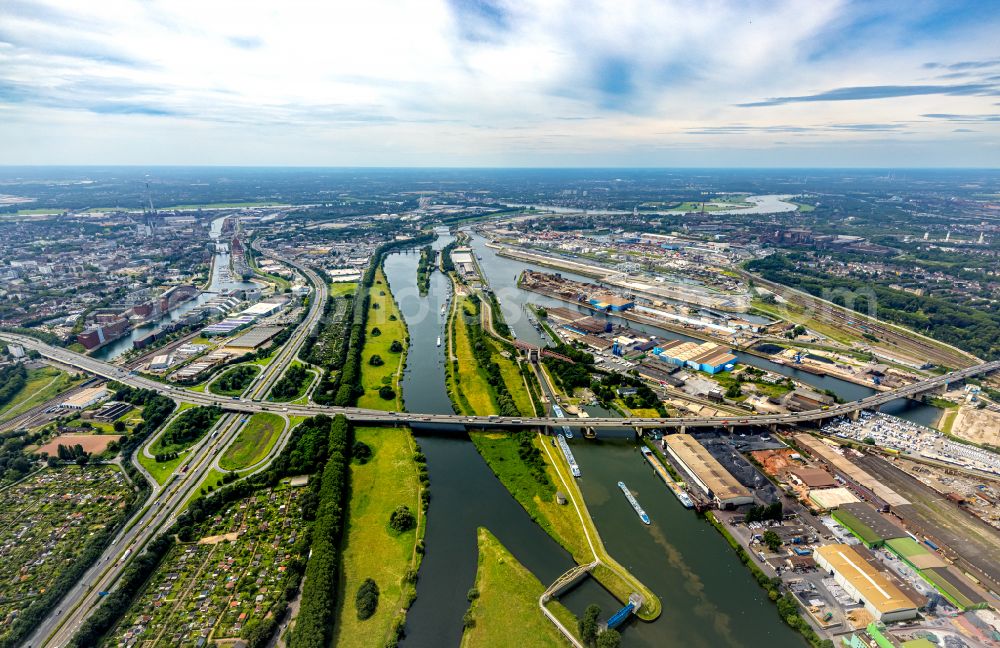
(660, 470)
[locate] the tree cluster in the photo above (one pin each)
(773, 511)
(291, 384)
(314, 625)
(12, 380)
(366, 600)
(189, 426)
(235, 380)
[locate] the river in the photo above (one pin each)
(220, 281)
(709, 597)
(503, 273)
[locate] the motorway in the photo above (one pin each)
(378, 417)
(58, 628)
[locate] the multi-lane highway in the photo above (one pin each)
(81, 601)
(58, 628)
(367, 416)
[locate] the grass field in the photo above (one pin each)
(254, 441)
(381, 309)
(371, 550)
(160, 470)
(341, 288)
(506, 612)
(467, 382)
(42, 384)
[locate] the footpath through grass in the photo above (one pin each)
(42, 384)
(506, 611)
(385, 318)
(391, 478)
(254, 441)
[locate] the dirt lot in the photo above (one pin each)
(930, 514)
(978, 426)
(92, 443)
(774, 461)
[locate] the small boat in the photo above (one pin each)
(635, 504)
(439, 340)
(444, 309)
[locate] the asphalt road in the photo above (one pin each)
(366, 416)
(58, 628)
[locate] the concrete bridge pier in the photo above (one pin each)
(855, 415)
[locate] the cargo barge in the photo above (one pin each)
(565, 429)
(570, 459)
(635, 504)
(678, 491)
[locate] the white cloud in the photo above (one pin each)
(525, 82)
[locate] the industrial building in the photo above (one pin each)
(100, 334)
(706, 356)
(85, 398)
(228, 325)
(611, 303)
(160, 362)
(826, 499)
(254, 338)
(864, 581)
(262, 309)
(867, 524)
(706, 472)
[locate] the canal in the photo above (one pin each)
(709, 597)
(221, 280)
(503, 273)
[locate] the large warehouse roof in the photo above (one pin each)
(873, 585)
(702, 464)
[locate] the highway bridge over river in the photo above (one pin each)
(376, 417)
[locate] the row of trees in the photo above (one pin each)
(305, 452)
(974, 329)
(314, 624)
(482, 350)
(12, 380)
(343, 387)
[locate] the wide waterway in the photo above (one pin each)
(503, 273)
(709, 597)
(221, 280)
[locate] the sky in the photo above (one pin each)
(528, 83)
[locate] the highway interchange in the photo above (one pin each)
(59, 626)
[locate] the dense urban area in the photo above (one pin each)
(314, 407)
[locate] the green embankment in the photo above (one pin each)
(568, 526)
(41, 385)
(468, 381)
(254, 441)
(382, 309)
(506, 611)
(391, 478)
